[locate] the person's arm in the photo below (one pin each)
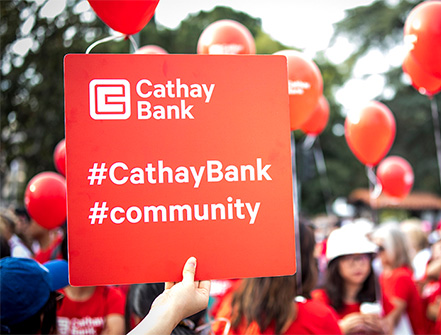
(114, 325)
(356, 322)
(394, 315)
(178, 301)
(433, 269)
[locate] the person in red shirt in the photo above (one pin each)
(431, 287)
(268, 305)
(350, 280)
(91, 310)
(401, 299)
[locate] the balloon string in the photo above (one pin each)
(101, 41)
(296, 217)
(134, 44)
(436, 133)
(308, 142)
(321, 168)
(375, 189)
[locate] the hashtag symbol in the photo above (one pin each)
(98, 213)
(97, 173)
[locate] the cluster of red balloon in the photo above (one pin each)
(422, 34)
(45, 195)
(393, 173)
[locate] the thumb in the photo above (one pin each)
(189, 270)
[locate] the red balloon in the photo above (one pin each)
(370, 132)
(422, 32)
(45, 199)
(305, 86)
(151, 50)
(423, 81)
(125, 16)
(318, 120)
(396, 176)
(60, 157)
(226, 37)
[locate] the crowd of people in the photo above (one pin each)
(382, 279)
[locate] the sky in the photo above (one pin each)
(305, 24)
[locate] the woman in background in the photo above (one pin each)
(350, 281)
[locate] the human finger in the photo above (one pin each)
(189, 270)
(169, 285)
(205, 284)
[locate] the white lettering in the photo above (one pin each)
(113, 215)
(139, 88)
(253, 211)
(212, 170)
(112, 177)
(238, 210)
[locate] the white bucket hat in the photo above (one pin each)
(348, 240)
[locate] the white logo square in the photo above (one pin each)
(109, 99)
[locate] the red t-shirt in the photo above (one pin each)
(312, 318)
(399, 284)
(322, 296)
(430, 292)
(87, 317)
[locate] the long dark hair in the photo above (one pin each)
(271, 299)
(335, 289)
(264, 300)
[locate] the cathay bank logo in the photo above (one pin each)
(109, 99)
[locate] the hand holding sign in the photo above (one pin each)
(177, 302)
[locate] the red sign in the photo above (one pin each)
(172, 156)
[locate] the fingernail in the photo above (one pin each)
(192, 262)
